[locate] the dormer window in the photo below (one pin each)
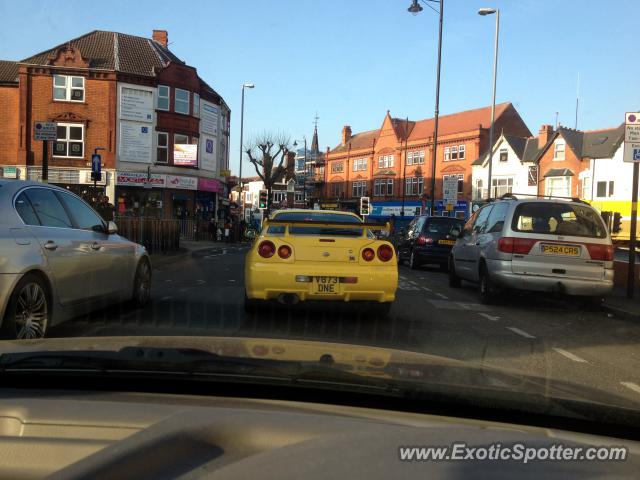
(558, 150)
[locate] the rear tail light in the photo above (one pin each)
(385, 253)
(422, 240)
(266, 249)
(600, 252)
(521, 246)
(284, 251)
(368, 254)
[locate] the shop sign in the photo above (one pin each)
(182, 183)
(209, 118)
(139, 179)
(210, 185)
(136, 104)
(10, 172)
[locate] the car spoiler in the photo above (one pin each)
(370, 225)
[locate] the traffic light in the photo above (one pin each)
(364, 206)
(617, 222)
(263, 199)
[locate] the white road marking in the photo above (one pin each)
(201, 282)
(441, 295)
(231, 280)
(493, 318)
(520, 332)
(449, 305)
(182, 290)
(402, 277)
(164, 299)
(426, 289)
(633, 386)
(463, 306)
(168, 280)
(570, 355)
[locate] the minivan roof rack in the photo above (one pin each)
(515, 196)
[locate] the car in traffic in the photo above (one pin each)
(552, 245)
(428, 240)
(60, 259)
(320, 255)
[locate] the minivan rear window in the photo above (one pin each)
(545, 218)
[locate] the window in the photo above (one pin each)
(359, 188)
(383, 187)
(25, 210)
(163, 147)
(84, 217)
(611, 188)
(279, 196)
(447, 154)
(586, 188)
(163, 97)
(337, 167)
(359, 164)
(479, 191)
(68, 89)
(480, 223)
(500, 186)
(461, 152)
(533, 176)
(182, 101)
(561, 218)
(454, 153)
(558, 186)
(196, 105)
(298, 197)
(601, 189)
(460, 177)
(415, 157)
(385, 161)
(414, 186)
(48, 208)
(70, 142)
(504, 155)
(337, 189)
(558, 150)
(179, 139)
(497, 217)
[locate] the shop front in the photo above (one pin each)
(77, 181)
(459, 210)
(140, 195)
(209, 190)
(180, 196)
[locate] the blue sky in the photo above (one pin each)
(351, 60)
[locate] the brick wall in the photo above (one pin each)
(571, 161)
(10, 132)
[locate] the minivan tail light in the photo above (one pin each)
(385, 253)
(422, 240)
(521, 246)
(600, 252)
(266, 249)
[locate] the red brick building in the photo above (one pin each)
(151, 117)
(396, 159)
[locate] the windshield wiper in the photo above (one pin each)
(187, 361)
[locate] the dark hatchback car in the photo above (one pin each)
(428, 240)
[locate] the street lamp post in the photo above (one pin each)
(414, 9)
(483, 12)
(244, 85)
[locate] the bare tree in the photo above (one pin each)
(268, 154)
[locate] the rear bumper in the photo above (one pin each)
(265, 281)
(501, 275)
(435, 254)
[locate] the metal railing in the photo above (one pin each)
(157, 235)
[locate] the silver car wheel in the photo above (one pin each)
(32, 313)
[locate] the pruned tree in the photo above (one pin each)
(268, 154)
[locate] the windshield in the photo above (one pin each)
(558, 219)
(398, 189)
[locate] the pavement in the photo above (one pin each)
(199, 291)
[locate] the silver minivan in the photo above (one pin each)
(536, 244)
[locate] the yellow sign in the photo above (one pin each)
(449, 207)
(225, 173)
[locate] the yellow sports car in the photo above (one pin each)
(323, 255)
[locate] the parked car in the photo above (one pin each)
(320, 255)
(428, 239)
(60, 259)
(544, 245)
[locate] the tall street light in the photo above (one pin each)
(244, 85)
(483, 12)
(414, 9)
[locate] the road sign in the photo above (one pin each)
(632, 133)
(632, 137)
(96, 167)
(632, 118)
(450, 190)
(45, 131)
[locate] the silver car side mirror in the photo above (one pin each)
(112, 228)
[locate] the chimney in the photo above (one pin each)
(544, 135)
(161, 36)
(346, 134)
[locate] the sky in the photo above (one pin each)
(350, 61)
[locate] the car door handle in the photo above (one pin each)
(51, 245)
(95, 246)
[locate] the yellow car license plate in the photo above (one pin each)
(555, 249)
(326, 285)
(446, 242)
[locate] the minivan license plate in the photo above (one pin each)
(326, 285)
(554, 249)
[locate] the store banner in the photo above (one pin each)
(185, 154)
(136, 104)
(183, 183)
(208, 152)
(209, 118)
(135, 142)
(139, 179)
(210, 185)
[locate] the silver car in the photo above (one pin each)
(544, 245)
(60, 259)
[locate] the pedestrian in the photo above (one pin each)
(243, 227)
(227, 232)
(212, 229)
(106, 209)
(219, 234)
